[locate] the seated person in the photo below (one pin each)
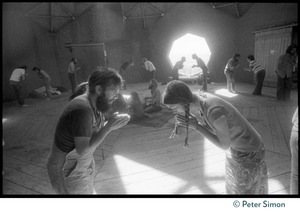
(133, 106)
(153, 103)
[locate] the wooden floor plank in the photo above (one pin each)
(31, 182)
(13, 189)
(266, 133)
(277, 134)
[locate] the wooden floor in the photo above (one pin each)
(141, 159)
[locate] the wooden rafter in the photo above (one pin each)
(127, 14)
(50, 14)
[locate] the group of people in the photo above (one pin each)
(286, 65)
(200, 63)
(84, 123)
(17, 79)
(97, 108)
(82, 126)
(254, 66)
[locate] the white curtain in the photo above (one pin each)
(269, 45)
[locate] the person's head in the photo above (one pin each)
(79, 90)
(291, 49)
(178, 96)
(74, 60)
(153, 84)
(104, 83)
(36, 69)
(183, 59)
(134, 97)
(194, 56)
(250, 58)
(23, 67)
(144, 59)
(236, 56)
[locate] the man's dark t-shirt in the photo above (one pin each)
(76, 120)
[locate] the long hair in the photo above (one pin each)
(236, 55)
(289, 48)
(250, 57)
(23, 67)
(178, 92)
(104, 77)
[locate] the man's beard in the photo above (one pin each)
(102, 104)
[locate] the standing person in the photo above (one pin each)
(204, 68)
(148, 65)
(80, 129)
(231, 65)
(294, 150)
(43, 75)
(222, 124)
(72, 70)
(16, 79)
(178, 65)
(124, 67)
(260, 73)
(285, 67)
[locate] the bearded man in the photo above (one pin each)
(80, 129)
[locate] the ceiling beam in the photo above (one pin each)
(223, 5)
(62, 7)
(156, 8)
(28, 13)
(237, 10)
(131, 8)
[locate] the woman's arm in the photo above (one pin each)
(193, 123)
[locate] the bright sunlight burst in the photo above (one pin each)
(185, 47)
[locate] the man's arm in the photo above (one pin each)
(87, 144)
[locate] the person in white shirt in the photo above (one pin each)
(260, 73)
(17, 76)
(72, 69)
(149, 67)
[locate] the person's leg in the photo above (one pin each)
(228, 81)
(73, 82)
(280, 88)
(48, 88)
(175, 74)
(122, 73)
(288, 87)
(153, 74)
(204, 87)
(294, 162)
(259, 78)
(232, 83)
(263, 75)
(246, 172)
(18, 92)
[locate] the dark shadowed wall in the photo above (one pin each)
(260, 16)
